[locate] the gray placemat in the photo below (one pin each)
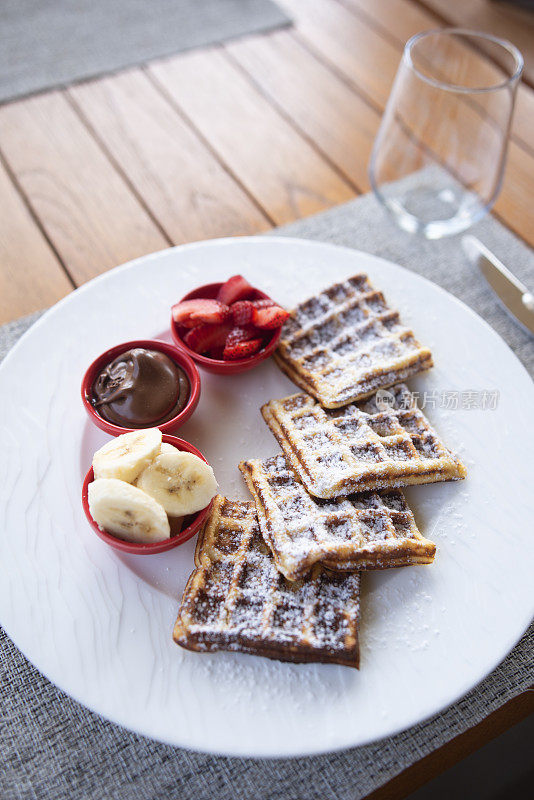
(47, 43)
(54, 748)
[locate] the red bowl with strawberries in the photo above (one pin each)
(227, 327)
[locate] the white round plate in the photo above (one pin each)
(98, 623)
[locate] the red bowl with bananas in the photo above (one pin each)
(105, 506)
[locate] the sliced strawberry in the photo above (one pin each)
(271, 317)
(237, 350)
(235, 288)
(181, 312)
(192, 312)
(242, 334)
(265, 303)
(242, 311)
(206, 337)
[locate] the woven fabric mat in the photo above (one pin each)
(54, 749)
(52, 43)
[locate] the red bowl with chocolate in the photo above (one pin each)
(190, 525)
(219, 365)
(145, 383)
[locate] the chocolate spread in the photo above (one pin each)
(140, 388)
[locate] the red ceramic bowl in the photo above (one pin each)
(191, 524)
(178, 356)
(209, 291)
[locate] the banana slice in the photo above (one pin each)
(168, 448)
(181, 482)
(128, 455)
(127, 512)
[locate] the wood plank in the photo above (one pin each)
(350, 45)
(181, 181)
(401, 19)
(338, 120)
(435, 763)
(287, 176)
(31, 276)
(504, 20)
(398, 19)
(84, 205)
(367, 60)
(513, 204)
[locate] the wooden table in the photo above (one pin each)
(224, 141)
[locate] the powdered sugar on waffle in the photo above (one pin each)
(237, 600)
(366, 531)
(361, 447)
(347, 342)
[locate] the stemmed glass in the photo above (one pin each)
(439, 156)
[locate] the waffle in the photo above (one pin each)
(236, 599)
(360, 447)
(366, 531)
(345, 343)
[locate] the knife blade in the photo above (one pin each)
(513, 294)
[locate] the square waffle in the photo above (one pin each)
(360, 447)
(365, 531)
(345, 343)
(236, 599)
